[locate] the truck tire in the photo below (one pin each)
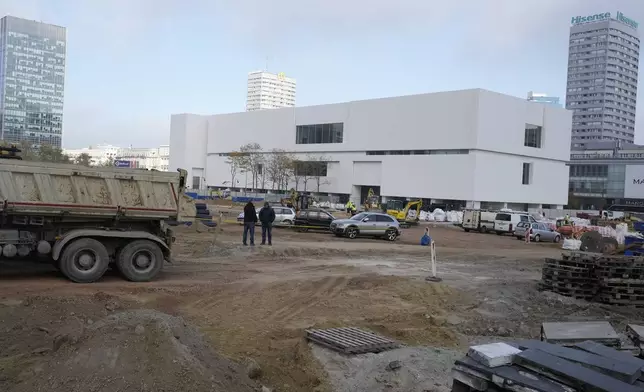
(85, 260)
(140, 261)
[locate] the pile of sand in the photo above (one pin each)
(142, 350)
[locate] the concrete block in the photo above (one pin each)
(494, 354)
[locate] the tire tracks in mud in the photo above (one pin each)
(328, 289)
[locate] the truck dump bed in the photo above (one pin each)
(39, 188)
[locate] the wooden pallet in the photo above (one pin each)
(349, 340)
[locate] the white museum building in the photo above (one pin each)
(478, 147)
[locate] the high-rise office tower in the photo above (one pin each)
(32, 81)
(269, 91)
(602, 77)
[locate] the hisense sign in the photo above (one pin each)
(602, 17)
(626, 20)
(590, 18)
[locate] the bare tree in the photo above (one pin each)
(279, 165)
(251, 160)
(303, 172)
(234, 162)
(318, 168)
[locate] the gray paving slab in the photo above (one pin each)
(573, 374)
(511, 376)
(604, 351)
(625, 371)
(574, 332)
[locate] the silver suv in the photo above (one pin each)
(284, 216)
(367, 224)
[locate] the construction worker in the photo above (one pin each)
(349, 206)
(567, 219)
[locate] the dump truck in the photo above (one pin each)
(88, 219)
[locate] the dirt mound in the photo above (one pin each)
(401, 370)
(142, 350)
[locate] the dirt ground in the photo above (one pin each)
(225, 317)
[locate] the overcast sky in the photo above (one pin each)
(132, 63)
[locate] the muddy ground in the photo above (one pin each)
(222, 314)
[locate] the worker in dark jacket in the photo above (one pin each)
(250, 218)
(267, 217)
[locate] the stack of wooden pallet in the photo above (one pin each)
(570, 276)
(621, 281)
(531, 365)
(617, 280)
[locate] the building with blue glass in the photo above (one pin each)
(32, 81)
(607, 173)
(543, 98)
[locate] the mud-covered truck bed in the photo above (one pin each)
(86, 219)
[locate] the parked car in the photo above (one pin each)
(284, 216)
(506, 222)
(369, 224)
(313, 219)
(540, 232)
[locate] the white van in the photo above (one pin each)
(506, 222)
(478, 220)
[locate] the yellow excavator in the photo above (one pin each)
(297, 200)
(407, 214)
(372, 202)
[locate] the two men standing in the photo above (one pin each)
(266, 217)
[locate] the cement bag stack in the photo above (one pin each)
(621, 232)
(571, 244)
(455, 216)
(439, 215)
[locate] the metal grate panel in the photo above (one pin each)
(349, 340)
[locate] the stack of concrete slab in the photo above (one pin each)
(533, 365)
(617, 280)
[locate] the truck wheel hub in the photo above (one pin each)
(142, 261)
(86, 261)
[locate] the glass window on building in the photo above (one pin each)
(319, 133)
(532, 136)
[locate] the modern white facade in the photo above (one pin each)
(471, 145)
(99, 154)
(156, 158)
(269, 91)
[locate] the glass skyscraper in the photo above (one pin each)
(32, 81)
